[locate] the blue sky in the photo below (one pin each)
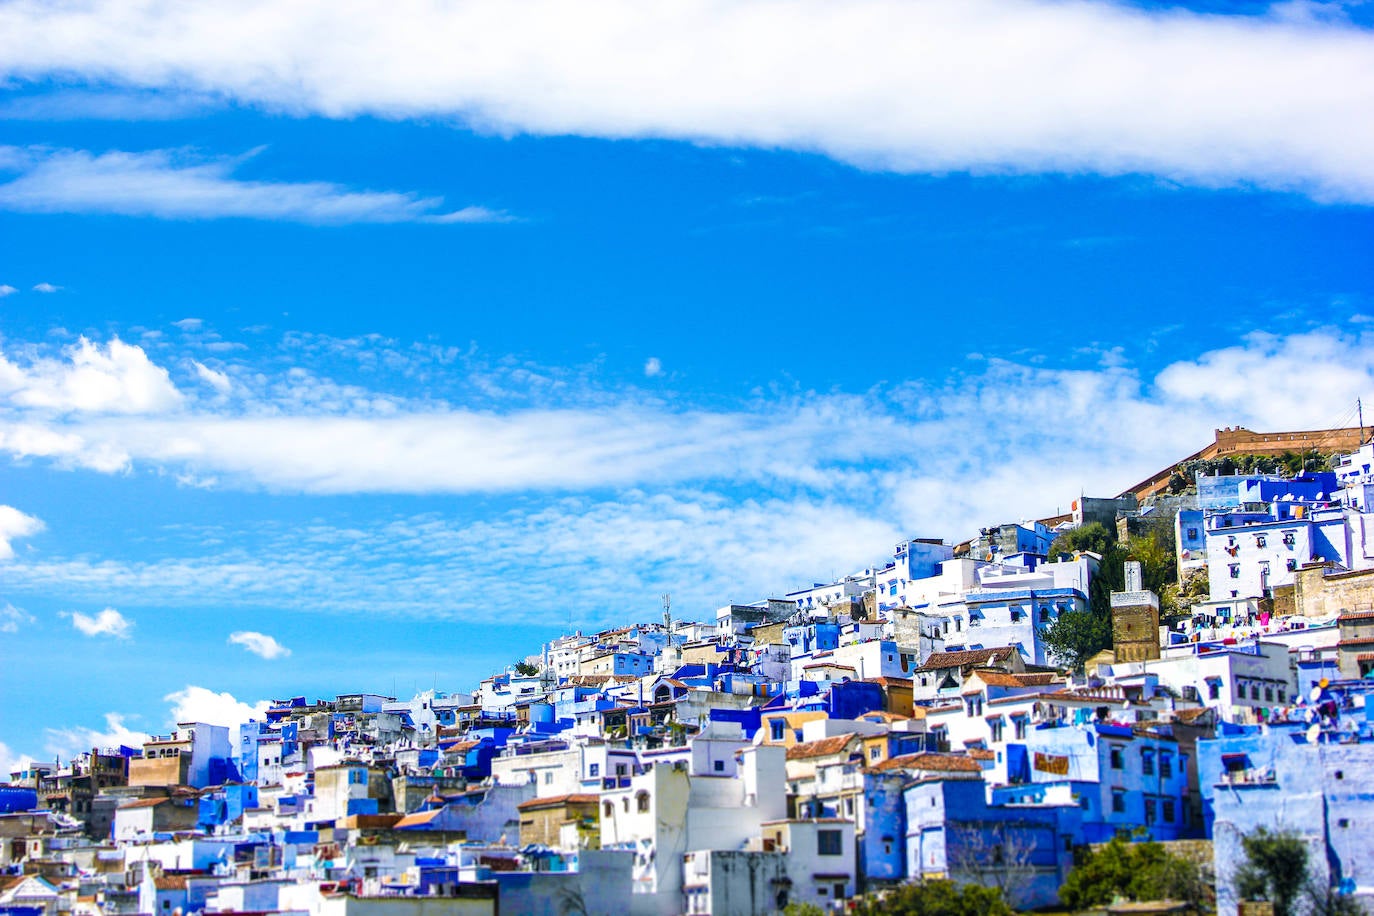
(344, 349)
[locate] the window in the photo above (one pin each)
(607, 809)
(1044, 615)
(1147, 762)
(1268, 693)
(875, 752)
(642, 802)
(594, 769)
(1259, 540)
(829, 843)
(1018, 724)
(1150, 810)
(548, 777)
(1240, 690)
(1192, 534)
(1118, 801)
(1214, 690)
(620, 769)
(1169, 811)
(1117, 759)
(1254, 691)
(996, 727)
(1166, 766)
(775, 729)
(719, 766)
(1235, 570)
(1280, 694)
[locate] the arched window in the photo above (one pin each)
(607, 809)
(642, 800)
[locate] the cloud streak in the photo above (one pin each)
(1026, 86)
(181, 184)
(260, 644)
(626, 496)
(108, 622)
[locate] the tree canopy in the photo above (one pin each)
(1133, 871)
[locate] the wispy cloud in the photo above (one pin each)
(629, 495)
(1276, 100)
(108, 622)
(183, 184)
(7, 290)
(260, 644)
(15, 524)
(45, 288)
(12, 618)
(68, 742)
(653, 367)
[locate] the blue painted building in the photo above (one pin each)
(953, 832)
(1315, 779)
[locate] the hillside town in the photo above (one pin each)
(1185, 663)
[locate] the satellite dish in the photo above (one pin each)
(1314, 732)
(1315, 695)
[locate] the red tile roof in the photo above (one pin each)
(822, 748)
(942, 660)
(929, 762)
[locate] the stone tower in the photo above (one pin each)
(1135, 619)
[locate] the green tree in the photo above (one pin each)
(1275, 869)
(935, 898)
(1093, 536)
(1077, 636)
(1133, 871)
(526, 669)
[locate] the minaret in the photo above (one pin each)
(1135, 619)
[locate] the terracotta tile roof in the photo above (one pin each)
(1358, 641)
(142, 803)
(995, 678)
(171, 883)
(822, 748)
(882, 715)
(1355, 615)
(889, 681)
(942, 660)
(982, 753)
(418, 819)
(9, 882)
(580, 798)
(930, 762)
(458, 747)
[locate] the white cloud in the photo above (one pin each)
(189, 324)
(316, 436)
(1277, 101)
(216, 380)
(15, 524)
(108, 622)
(7, 290)
(178, 184)
(653, 367)
(116, 378)
(200, 704)
(260, 644)
(11, 761)
(12, 618)
(44, 287)
(628, 496)
(67, 743)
